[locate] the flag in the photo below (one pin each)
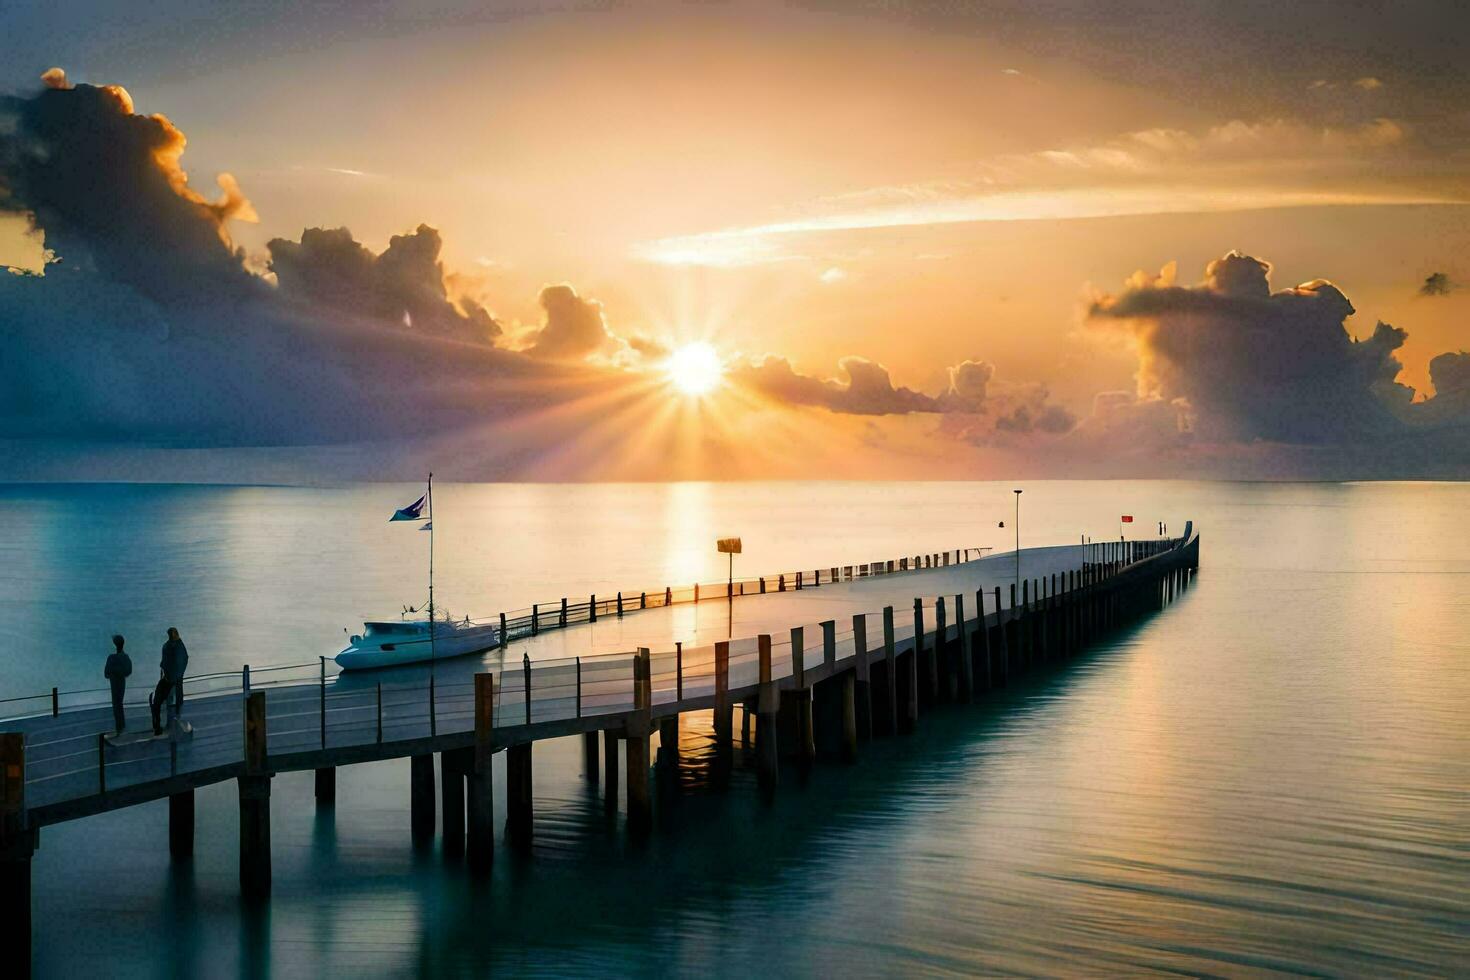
(1126, 518)
(412, 512)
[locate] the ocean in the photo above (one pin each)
(1270, 775)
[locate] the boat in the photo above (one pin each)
(408, 641)
(411, 641)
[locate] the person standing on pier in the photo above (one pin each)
(119, 667)
(171, 668)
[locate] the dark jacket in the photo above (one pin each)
(119, 666)
(175, 659)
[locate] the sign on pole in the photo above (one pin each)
(728, 546)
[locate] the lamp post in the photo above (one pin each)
(1018, 541)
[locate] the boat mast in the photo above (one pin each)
(430, 495)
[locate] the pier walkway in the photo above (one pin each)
(821, 664)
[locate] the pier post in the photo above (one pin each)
(451, 799)
(1002, 642)
(943, 677)
(181, 825)
(255, 805)
(518, 814)
(722, 719)
(967, 662)
(326, 786)
(421, 797)
(17, 846)
(481, 815)
(924, 666)
(767, 706)
(849, 717)
(910, 718)
(589, 755)
(890, 660)
(985, 676)
(863, 690)
(668, 742)
(610, 770)
(639, 727)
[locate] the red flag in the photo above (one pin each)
(1127, 518)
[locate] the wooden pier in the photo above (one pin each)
(815, 690)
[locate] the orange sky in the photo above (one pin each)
(918, 189)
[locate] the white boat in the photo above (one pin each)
(390, 644)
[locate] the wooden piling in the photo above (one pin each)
(863, 690)
(946, 677)
(639, 727)
(480, 823)
(609, 770)
(255, 805)
(518, 808)
(451, 799)
(849, 717)
(910, 672)
(966, 655)
(890, 660)
(181, 825)
(722, 719)
(589, 756)
(767, 706)
(421, 797)
(326, 786)
(1002, 645)
(984, 677)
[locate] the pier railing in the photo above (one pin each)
(515, 624)
(312, 709)
(559, 613)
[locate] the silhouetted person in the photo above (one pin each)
(119, 667)
(171, 679)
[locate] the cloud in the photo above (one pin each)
(1368, 83)
(1437, 284)
(1241, 363)
(106, 188)
(976, 408)
(573, 327)
(405, 284)
(1236, 165)
(866, 390)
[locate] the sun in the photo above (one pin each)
(695, 369)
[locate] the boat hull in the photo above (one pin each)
(412, 651)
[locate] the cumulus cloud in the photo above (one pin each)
(866, 389)
(149, 325)
(106, 188)
(332, 271)
(1437, 284)
(1242, 363)
(573, 327)
(976, 408)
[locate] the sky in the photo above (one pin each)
(954, 240)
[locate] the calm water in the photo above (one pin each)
(1270, 776)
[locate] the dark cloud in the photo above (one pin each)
(150, 328)
(976, 409)
(1229, 368)
(405, 284)
(1437, 284)
(1250, 364)
(106, 188)
(573, 328)
(867, 390)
